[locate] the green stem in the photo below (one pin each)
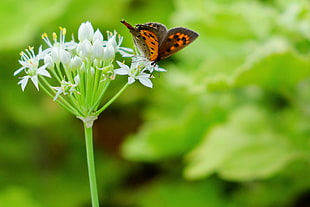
(112, 99)
(91, 165)
(61, 101)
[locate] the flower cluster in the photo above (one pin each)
(77, 73)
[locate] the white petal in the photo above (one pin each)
(70, 45)
(84, 48)
(43, 71)
(122, 65)
(160, 69)
(125, 54)
(131, 80)
(34, 79)
(126, 49)
(65, 57)
(76, 62)
(48, 61)
(146, 82)
(109, 53)
(98, 49)
(98, 36)
(23, 82)
(55, 55)
(19, 70)
(121, 71)
(112, 42)
(76, 79)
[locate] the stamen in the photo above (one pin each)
(44, 36)
(63, 32)
(54, 37)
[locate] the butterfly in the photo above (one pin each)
(155, 42)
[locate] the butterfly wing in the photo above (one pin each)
(145, 38)
(150, 43)
(175, 39)
(161, 30)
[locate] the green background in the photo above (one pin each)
(227, 125)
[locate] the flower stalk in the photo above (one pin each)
(91, 165)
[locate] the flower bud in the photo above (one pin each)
(48, 61)
(86, 32)
(109, 53)
(65, 57)
(84, 48)
(97, 36)
(98, 49)
(76, 62)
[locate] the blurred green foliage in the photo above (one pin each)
(227, 125)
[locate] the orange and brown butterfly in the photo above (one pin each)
(156, 43)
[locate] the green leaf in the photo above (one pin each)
(177, 128)
(274, 65)
(244, 148)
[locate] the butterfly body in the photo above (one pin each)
(156, 43)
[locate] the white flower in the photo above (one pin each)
(66, 87)
(29, 59)
(124, 51)
(30, 64)
(86, 32)
(151, 66)
(59, 50)
(33, 75)
(135, 72)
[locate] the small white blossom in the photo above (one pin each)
(109, 52)
(98, 49)
(124, 51)
(66, 87)
(98, 36)
(29, 60)
(59, 50)
(86, 32)
(30, 64)
(76, 62)
(48, 61)
(134, 72)
(84, 48)
(33, 76)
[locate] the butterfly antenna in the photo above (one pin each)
(127, 24)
